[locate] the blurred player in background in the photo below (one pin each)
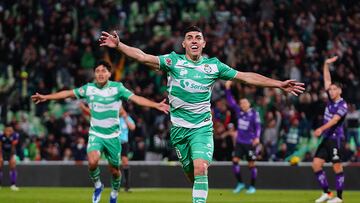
(104, 100)
(332, 146)
(248, 137)
(8, 141)
(126, 124)
(190, 82)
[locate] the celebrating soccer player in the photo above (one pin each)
(332, 146)
(8, 142)
(190, 81)
(248, 134)
(104, 100)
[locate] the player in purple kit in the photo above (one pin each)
(332, 146)
(248, 133)
(8, 142)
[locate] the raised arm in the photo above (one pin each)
(37, 98)
(229, 97)
(290, 86)
(113, 41)
(326, 71)
(142, 101)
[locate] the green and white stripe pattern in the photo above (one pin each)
(104, 104)
(190, 85)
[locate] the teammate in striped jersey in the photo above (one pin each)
(190, 82)
(104, 99)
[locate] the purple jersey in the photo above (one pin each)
(249, 126)
(340, 108)
(6, 142)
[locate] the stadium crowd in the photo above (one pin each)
(47, 46)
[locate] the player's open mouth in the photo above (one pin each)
(194, 47)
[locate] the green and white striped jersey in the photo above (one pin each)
(190, 85)
(104, 104)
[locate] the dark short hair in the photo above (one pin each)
(337, 84)
(103, 63)
(8, 125)
(192, 29)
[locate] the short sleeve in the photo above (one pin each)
(124, 93)
(342, 110)
(167, 61)
(80, 92)
(225, 72)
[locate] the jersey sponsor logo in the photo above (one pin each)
(187, 84)
(168, 62)
(197, 76)
(243, 124)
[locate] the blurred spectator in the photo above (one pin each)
(292, 137)
(271, 133)
(352, 125)
(79, 150)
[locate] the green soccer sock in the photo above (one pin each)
(200, 189)
(115, 183)
(95, 175)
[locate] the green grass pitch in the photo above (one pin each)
(156, 195)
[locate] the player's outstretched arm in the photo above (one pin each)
(326, 71)
(142, 101)
(113, 41)
(37, 98)
(327, 125)
(290, 86)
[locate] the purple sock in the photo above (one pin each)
(253, 175)
(321, 177)
(236, 171)
(340, 179)
(13, 175)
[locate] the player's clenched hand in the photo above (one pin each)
(162, 106)
(37, 98)
(109, 40)
(331, 60)
(256, 141)
(293, 87)
(318, 132)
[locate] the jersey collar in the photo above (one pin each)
(194, 62)
(105, 86)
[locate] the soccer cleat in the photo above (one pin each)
(97, 194)
(239, 187)
(324, 197)
(335, 200)
(251, 190)
(113, 199)
(14, 188)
